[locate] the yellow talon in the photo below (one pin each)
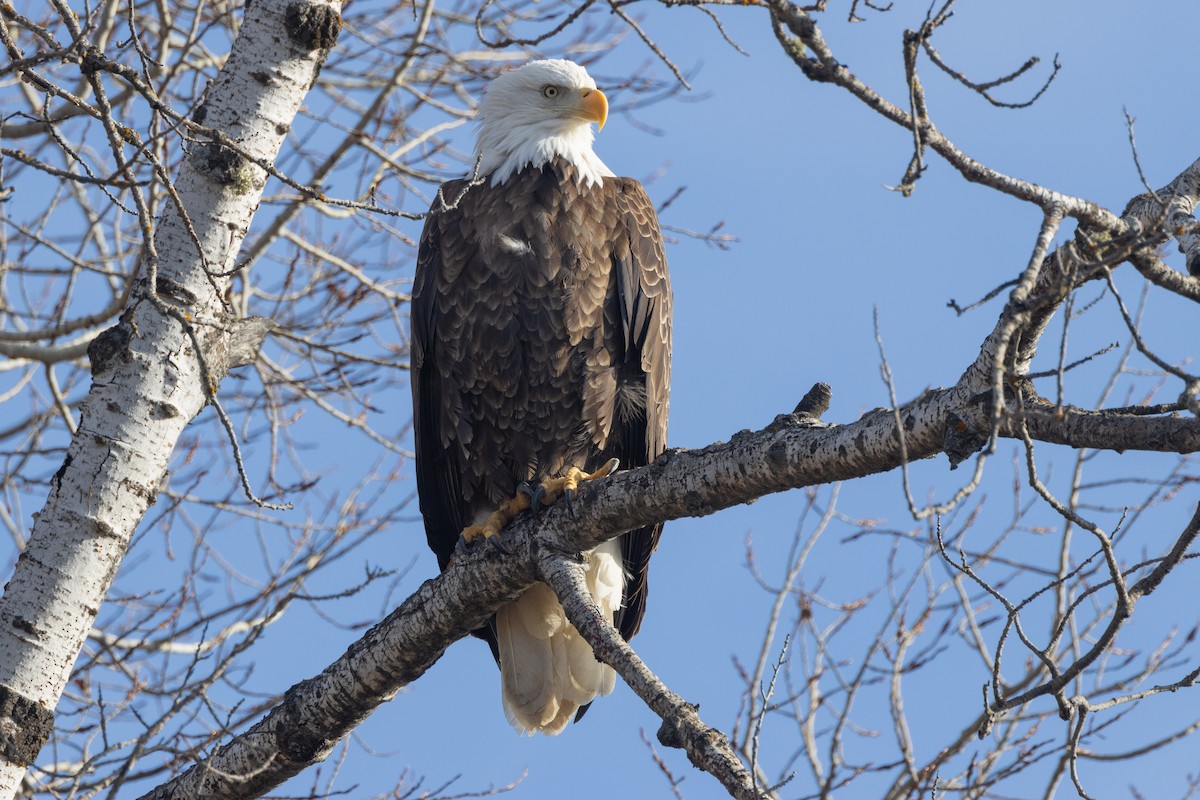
(550, 490)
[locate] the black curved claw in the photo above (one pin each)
(462, 547)
(494, 543)
(526, 488)
(535, 501)
(570, 495)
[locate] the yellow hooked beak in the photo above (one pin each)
(593, 106)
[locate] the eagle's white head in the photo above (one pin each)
(541, 110)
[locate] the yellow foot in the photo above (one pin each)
(546, 494)
(495, 523)
(554, 488)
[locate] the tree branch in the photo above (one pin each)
(707, 748)
(795, 450)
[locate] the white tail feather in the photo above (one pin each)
(547, 668)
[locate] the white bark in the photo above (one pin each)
(147, 376)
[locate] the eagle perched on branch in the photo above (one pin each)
(541, 356)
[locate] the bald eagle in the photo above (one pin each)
(541, 348)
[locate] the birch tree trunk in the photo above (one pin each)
(149, 380)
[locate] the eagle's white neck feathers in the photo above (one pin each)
(520, 126)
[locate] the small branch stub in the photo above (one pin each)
(246, 338)
(961, 440)
(109, 345)
(808, 411)
(815, 402)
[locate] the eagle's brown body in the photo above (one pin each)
(541, 325)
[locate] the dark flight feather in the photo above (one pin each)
(541, 339)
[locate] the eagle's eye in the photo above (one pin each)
(550, 92)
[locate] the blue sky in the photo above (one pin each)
(798, 173)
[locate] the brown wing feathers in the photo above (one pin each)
(541, 340)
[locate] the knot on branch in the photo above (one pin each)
(108, 346)
(672, 732)
(961, 440)
(297, 739)
(25, 726)
(313, 26)
(175, 292)
(220, 164)
(91, 61)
